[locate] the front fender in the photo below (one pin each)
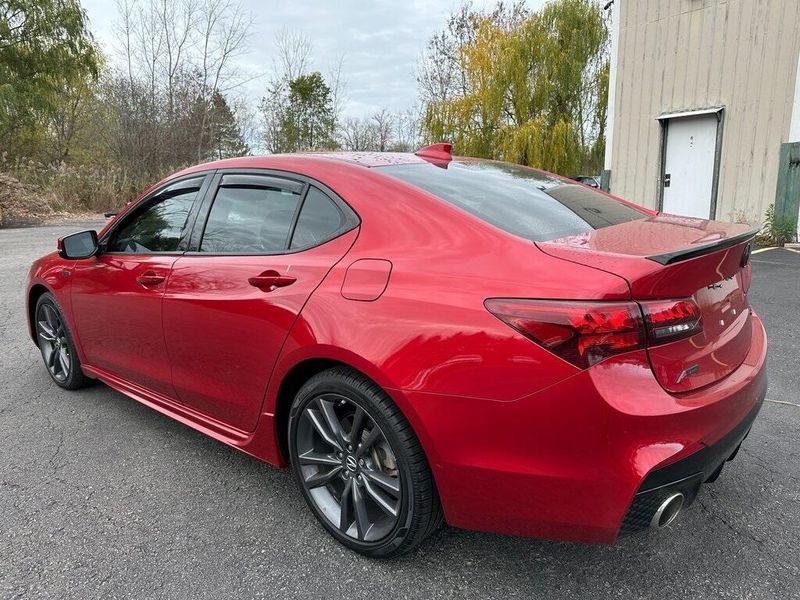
(49, 274)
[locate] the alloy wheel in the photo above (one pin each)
(348, 467)
(53, 342)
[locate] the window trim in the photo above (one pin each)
(351, 219)
(147, 201)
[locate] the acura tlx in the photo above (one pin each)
(422, 338)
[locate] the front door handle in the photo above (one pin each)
(149, 278)
(269, 280)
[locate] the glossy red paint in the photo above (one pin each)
(366, 279)
(110, 293)
(520, 441)
(223, 334)
(441, 152)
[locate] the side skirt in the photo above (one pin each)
(236, 438)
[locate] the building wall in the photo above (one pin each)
(677, 55)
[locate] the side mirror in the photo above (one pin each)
(78, 245)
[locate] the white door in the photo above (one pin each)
(689, 165)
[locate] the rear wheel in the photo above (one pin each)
(360, 467)
(55, 343)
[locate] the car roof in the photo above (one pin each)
(267, 161)
(373, 159)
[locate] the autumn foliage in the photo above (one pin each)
(520, 86)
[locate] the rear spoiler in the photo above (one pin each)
(669, 258)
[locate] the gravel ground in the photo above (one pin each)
(101, 497)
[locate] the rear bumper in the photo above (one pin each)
(686, 475)
(569, 462)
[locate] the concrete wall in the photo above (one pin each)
(676, 55)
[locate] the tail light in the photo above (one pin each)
(584, 333)
(670, 320)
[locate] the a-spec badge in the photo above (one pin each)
(693, 370)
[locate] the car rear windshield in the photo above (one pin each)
(519, 200)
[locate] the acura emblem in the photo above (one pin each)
(350, 463)
(746, 255)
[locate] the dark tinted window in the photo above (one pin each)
(522, 201)
(319, 220)
(160, 226)
(250, 220)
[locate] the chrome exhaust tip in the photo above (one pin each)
(667, 511)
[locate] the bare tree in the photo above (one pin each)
(357, 134)
(338, 86)
(176, 20)
(441, 71)
(293, 53)
(381, 132)
(407, 132)
(224, 28)
(383, 125)
(178, 55)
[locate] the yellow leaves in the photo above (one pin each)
(552, 147)
(531, 88)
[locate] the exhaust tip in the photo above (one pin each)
(667, 511)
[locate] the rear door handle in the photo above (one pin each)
(149, 278)
(268, 280)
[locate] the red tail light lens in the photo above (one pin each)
(671, 320)
(582, 333)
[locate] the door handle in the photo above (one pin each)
(269, 280)
(150, 278)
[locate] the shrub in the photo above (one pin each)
(79, 188)
(777, 230)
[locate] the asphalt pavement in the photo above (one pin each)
(101, 497)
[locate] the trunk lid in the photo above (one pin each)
(667, 257)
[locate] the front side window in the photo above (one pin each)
(160, 226)
(250, 220)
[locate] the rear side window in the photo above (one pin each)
(160, 226)
(320, 219)
(251, 217)
(519, 200)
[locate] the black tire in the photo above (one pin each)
(56, 344)
(416, 503)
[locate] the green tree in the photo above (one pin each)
(309, 118)
(45, 49)
(530, 87)
(225, 136)
(299, 115)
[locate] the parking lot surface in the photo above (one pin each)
(101, 497)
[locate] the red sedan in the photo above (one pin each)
(422, 338)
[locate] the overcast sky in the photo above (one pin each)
(379, 39)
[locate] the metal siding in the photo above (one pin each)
(679, 55)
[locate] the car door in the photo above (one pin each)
(117, 294)
(267, 242)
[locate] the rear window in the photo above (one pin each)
(519, 200)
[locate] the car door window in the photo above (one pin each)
(160, 226)
(250, 219)
(319, 221)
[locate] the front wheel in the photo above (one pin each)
(56, 344)
(360, 467)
